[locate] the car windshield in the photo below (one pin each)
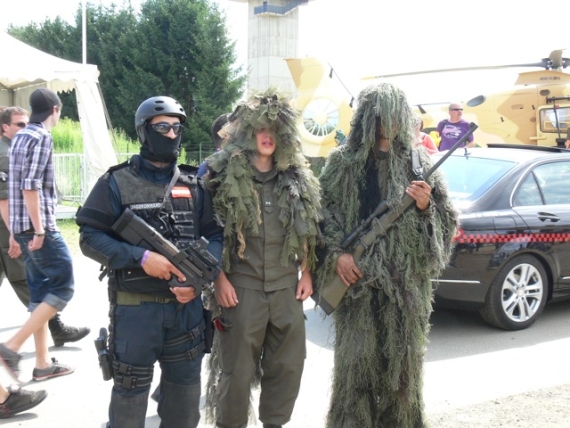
(470, 177)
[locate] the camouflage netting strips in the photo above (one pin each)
(236, 196)
(383, 321)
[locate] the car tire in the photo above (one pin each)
(517, 294)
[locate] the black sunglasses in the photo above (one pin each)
(20, 124)
(164, 128)
(456, 109)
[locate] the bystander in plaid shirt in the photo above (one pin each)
(31, 168)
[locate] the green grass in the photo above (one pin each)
(67, 138)
(70, 232)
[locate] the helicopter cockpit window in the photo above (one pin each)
(551, 121)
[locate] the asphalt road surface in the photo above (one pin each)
(468, 363)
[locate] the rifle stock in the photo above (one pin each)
(332, 294)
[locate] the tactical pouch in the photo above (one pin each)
(208, 332)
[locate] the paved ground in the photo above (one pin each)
(457, 391)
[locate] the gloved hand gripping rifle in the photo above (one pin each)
(330, 296)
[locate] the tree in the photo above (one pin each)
(183, 50)
(178, 48)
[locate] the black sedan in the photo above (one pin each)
(512, 252)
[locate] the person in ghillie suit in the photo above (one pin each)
(269, 203)
(383, 321)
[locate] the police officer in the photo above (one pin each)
(150, 320)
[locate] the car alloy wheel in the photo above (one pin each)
(517, 295)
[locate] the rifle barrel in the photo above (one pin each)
(383, 205)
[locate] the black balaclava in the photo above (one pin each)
(158, 147)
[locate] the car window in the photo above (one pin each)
(528, 193)
(469, 177)
(554, 181)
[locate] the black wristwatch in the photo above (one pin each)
(39, 234)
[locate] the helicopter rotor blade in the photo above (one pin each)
(555, 61)
(446, 70)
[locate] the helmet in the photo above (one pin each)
(156, 106)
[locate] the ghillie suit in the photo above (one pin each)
(383, 321)
(236, 198)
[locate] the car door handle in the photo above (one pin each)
(548, 217)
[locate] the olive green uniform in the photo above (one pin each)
(268, 319)
(13, 269)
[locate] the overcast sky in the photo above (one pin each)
(370, 37)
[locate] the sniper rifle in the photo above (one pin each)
(331, 295)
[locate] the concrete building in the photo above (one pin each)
(273, 35)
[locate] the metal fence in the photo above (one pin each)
(71, 176)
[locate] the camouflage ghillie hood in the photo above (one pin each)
(231, 180)
(342, 180)
(382, 323)
(382, 106)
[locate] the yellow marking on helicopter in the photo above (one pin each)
(535, 111)
(325, 107)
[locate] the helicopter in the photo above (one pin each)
(326, 111)
(536, 111)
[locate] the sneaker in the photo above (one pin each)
(61, 333)
(54, 370)
(10, 360)
(21, 400)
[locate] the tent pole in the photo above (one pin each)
(84, 31)
(108, 118)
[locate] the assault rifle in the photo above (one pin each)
(197, 264)
(331, 295)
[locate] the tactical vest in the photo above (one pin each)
(174, 216)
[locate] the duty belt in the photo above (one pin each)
(134, 299)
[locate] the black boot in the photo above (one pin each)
(179, 406)
(127, 412)
(271, 426)
(61, 333)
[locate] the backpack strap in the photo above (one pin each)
(417, 166)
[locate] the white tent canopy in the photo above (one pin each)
(30, 68)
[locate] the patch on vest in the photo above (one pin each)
(181, 192)
(146, 206)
